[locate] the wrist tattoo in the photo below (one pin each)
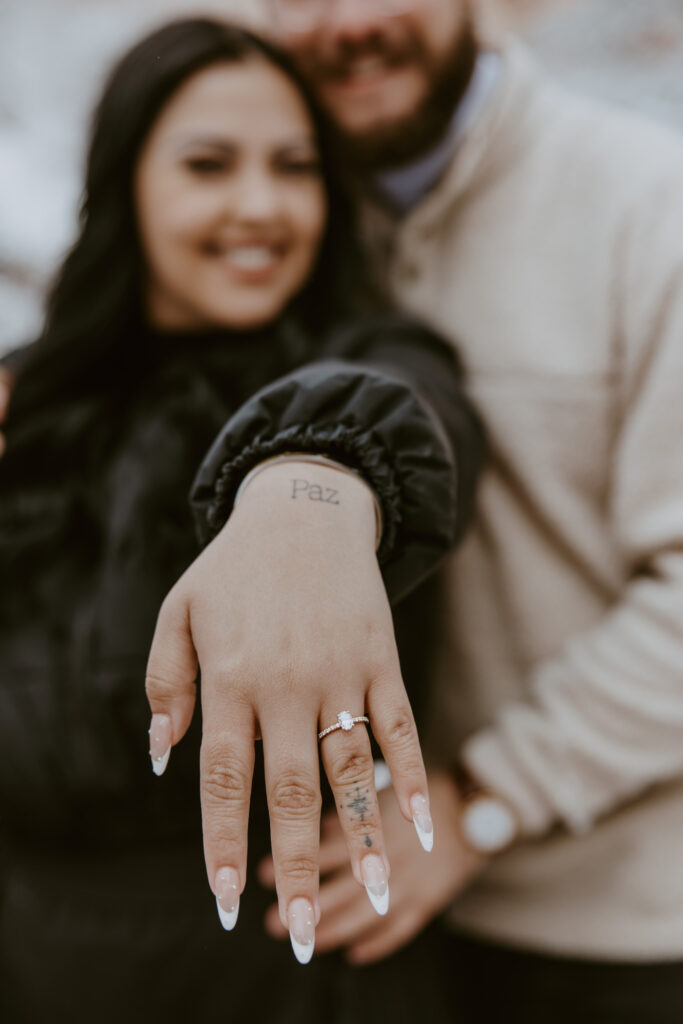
(302, 488)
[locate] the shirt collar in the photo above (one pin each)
(405, 186)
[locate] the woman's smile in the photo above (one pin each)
(232, 206)
(250, 262)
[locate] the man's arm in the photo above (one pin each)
(606, 721)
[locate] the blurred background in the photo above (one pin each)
(54, 53)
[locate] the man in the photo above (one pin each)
(545, 234)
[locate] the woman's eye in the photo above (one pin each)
(205, 165)
(308, 166)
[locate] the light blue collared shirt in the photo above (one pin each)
(405, 186)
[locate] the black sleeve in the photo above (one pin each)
(386, 398)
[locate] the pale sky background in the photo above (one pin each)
(55, 53)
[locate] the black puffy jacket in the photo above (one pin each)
(104, 875)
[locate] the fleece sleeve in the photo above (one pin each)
(606, 718)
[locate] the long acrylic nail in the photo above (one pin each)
(422, 820)
(160, 742)
(375, 880)
(301, 921)
(227, 887)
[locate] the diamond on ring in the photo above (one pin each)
(345, 721)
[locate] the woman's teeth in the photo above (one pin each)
(251, 257)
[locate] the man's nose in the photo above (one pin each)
(355, 19)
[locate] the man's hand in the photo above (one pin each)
(422, 885)
(6, 381)
(287, 615)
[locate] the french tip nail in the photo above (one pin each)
(228, 918)
(379, 897)
(159, 763)
(303, 951)
(425, 835)
(301, 919)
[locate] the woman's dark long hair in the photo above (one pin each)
(89, 345)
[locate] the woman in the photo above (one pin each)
(215, 259)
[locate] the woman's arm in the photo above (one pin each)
(387, 399)
(286, 610)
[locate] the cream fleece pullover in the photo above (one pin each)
(552, 253)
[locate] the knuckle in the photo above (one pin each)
(292, 676)
(350, 768)
(298, 869)
(295, 796)
(385, 665)
(225, 780)
(227, 675)
(158, 689)
(400, 729)
(380, 649)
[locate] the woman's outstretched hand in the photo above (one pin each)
(286, 614)
(421, 888)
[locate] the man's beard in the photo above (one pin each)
(400, 142)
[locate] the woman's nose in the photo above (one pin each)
(257, 196)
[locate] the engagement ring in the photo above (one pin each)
(345, 721)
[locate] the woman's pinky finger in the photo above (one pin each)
(170, 680)
(394, 728)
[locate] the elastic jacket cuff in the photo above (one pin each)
(367, 420)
